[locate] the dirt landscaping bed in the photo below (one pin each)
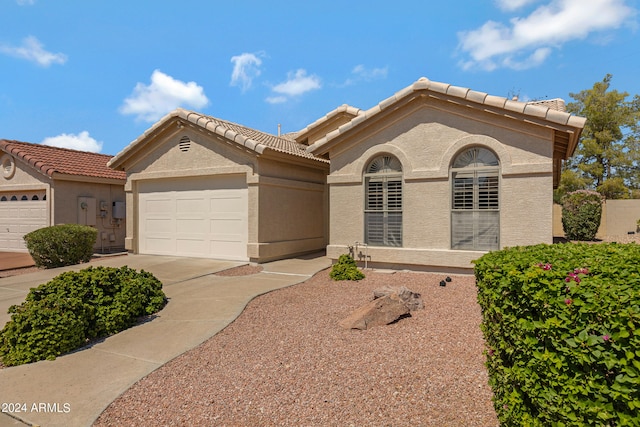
(285, 361)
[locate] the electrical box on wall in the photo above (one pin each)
(118, 211)
(87, 211)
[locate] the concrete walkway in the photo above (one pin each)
(74, 389)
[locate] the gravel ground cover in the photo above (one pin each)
(286, 362)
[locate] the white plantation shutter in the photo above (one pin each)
(475, 215)
(383, 202)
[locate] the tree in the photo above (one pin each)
(570, 180)
(610, 143)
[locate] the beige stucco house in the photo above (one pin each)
(203, 187)
(431, 178)
(42, 186)
(436, 175)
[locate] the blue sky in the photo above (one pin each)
(94, 75)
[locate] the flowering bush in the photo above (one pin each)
(562, 329)
(581, 214)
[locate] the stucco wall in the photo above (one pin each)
(426, 141)
(619, 217)
(66, 195)
(287, 202)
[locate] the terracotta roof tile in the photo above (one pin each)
(50, 160)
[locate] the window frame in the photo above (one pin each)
(390, 199)
(481, 216)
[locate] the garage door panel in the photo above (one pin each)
(191, 205)
(193, 225)
(230, 226)
(191, 247)
(203, 217)
(227, 204)
(161, 246)
(158, 225)
(158, 204)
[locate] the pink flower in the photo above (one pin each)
(606, 337)
(547, 266)
(576, 279)
(568, 301)
(568, 279)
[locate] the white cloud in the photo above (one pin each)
(527, 41)
(276, 99)
(297, 83)
(362, 74)
(246, 67)
(164, 94)
(514, 4)
(32, 50)
(81, 141)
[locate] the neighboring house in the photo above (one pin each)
(43, 186)
(430, 178)
(202, 187)
(437, 175)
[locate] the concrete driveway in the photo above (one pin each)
(168, 270)
(77, 387)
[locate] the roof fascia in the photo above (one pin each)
(89, 179)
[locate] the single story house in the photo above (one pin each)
(42, 186)
(202, 187)
(430, 178)
(437, 175)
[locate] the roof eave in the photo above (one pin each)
(536, 113)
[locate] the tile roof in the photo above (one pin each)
(52, 160)
(534, 110)
(343, 110)
(557, 104)
(250, 138)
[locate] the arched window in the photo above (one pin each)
(3, 199)
(35, 197)
(23, 198)
(383, 202)
(14, 198)
(475, 214)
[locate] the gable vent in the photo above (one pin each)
(184, 144)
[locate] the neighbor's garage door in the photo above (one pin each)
(196, 217)
(17, 218)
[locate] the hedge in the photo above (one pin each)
(61, 245)
(562, 330)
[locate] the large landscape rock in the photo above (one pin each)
(412, 300)
(381, 311)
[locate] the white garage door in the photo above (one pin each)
(18, 218)
(195, 217)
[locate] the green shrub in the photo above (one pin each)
(346, 269)
(75, 307)
(562, 330)
(61, 245)
(581, 214)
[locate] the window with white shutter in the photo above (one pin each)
(383, 202)
(475, 210)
